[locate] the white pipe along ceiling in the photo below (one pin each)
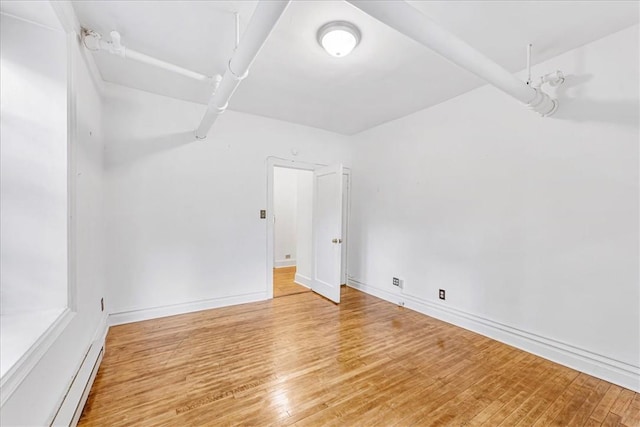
(262, 22)
(93, 41)
(409, 21)
(398, 15)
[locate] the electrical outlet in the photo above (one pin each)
(287, 256)
(101, 304)
(441, 294)
(263, 214)
(397, 282)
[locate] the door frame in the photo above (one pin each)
(273, 162)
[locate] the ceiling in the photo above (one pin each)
(386, 77)
(40, 13)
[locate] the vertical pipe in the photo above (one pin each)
(237, 16)
(264, 18)
(529, 63)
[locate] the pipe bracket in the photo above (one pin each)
(234, 75)
(218, 109)
(542, 103)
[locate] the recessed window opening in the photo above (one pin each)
(34, 185)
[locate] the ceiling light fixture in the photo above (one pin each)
(338, 38)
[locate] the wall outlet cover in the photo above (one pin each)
(441, 294)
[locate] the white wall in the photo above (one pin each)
(530, 224)
(40, 393)
(183, 224)
(304, 224)
(285, 210)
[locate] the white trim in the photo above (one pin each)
(606, 368)
(302, 280)
(189, 307)
(346, 218)
(285, 263)
(12, 379)
(76, 394)
(72, 175)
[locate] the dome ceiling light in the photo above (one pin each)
(338, 38)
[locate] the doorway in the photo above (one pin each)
(290, 200)
(292, 222)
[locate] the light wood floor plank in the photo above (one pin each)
(631, 416)
(612, 420)
(302, 360)
(581, 416)
(284, 284)
(622, 402)
(601, 411)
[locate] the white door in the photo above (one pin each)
(327, 231)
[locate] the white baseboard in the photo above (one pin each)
(285, 263)
(189, 307)
(608, 369)
(302, 280)
(71, 408)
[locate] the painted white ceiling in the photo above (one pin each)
(386, 77)
(38, 12)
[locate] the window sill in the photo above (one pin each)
(24, 339)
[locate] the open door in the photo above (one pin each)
(327, 231)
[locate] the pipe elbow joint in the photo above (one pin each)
(542, 103)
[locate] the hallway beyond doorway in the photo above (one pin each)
(284, 284)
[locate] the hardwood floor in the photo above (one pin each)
(302, 360)
(283, 282)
